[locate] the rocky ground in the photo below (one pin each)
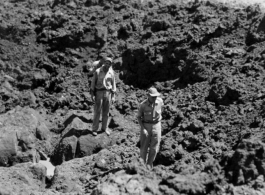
(206, 58)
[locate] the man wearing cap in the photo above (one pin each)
(95, 65)
(149, 118)
(103, 88)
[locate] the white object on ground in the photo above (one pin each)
(49, 166)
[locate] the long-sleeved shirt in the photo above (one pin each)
(102, 80)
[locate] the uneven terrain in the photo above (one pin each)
(206, 58)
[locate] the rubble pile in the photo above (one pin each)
(206, 58)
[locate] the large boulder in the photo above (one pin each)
(77, 139)
(88, 144)
(225, 91)
(171, 148)
(77, 127)
(65, 150)
(42, 132)
(82, 115)
(133, 178)
(247, 163)
(18, 136)
(73, 175)
(76, 124)
(124, 183)
(187, 184)
(68, 176)
(23, 178)
(256, 32)
(8, 147)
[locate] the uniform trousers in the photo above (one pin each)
(150, 141)
(102, 104)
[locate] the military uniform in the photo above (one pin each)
(150, 115)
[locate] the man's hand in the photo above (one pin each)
(92, 94)
(92, 97)
(145, 132)
(113, 99)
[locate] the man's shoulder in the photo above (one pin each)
(159, 99)
(143, 103)
(111, 71)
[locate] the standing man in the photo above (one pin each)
(149, 118)
(103, 88)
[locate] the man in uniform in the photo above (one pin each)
(149, 118)
(103, 88)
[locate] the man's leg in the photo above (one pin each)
(155, 142)
(105, 110)
(145, 141)
(97, 110)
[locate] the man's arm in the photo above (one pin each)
(140, 122)
(113, 86)
(92, 68)
(139, 116)
(162, 107)
(93, 84)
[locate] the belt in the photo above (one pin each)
(102, 89)
(151, 122)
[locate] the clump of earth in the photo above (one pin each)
(207, 60)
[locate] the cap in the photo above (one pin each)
(102, 55)
(108, 59)
(153, 92)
